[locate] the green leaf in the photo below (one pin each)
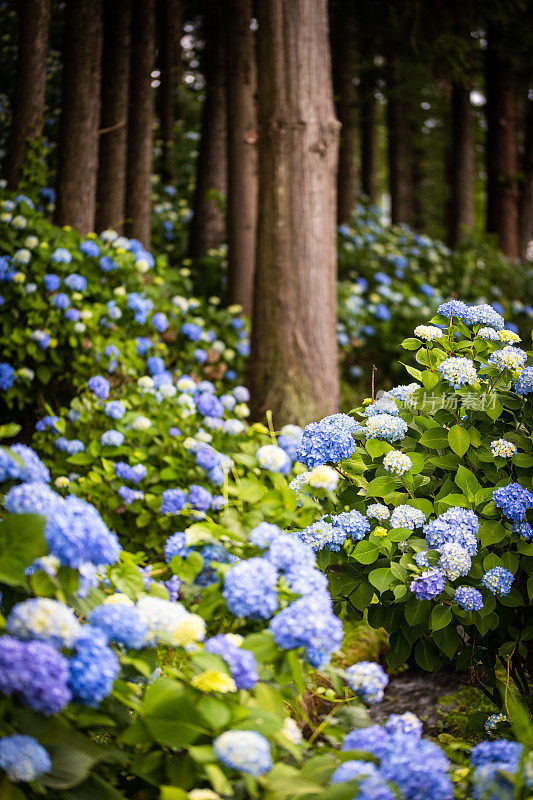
(467, 482)
(362, 595)
(170, 715)
(426, 657)
(416, 611)
(376, 448)
(459, 439)
(447, 640)
(429, 379)
(440, 617)
(434, 438)
(172, 793)
(365, 552)
(21, 542)
(381, 487)
(411, 344)
(381, 578)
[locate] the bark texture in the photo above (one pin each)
(30, 84)
(241, 88)
(111, 189)
(294, 350)
(208, 222)
(369, 137)
(140, 121)
(461, 165)
(171, 71)
(399, 152)
(344, 73)
(77, 149)
(526, 193)
(501, 150)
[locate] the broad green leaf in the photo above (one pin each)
(21, 542)
(170, 715)
(381, 578)
(440, 617)
(381, 487)
(365, 552)
(467, 482)
(434, 438)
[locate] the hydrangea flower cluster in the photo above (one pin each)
(498, 580)
(456, 525)
(429, 333)
(44, 619)
(244, 751)
(368, 680)
(250, 589)
(513, 500)
(508, 358)
(378, 511)
(428, 585)
(274, 459)
(23, 759)
(495, 762)
(454, 560)
(334, 532)
(121, 622)
(397, 462)
(329, 440)
(468, 598)
(309, 623)
(501, 448)
(93, 668)
(241, 662)
(385, 426)
(404, 516)
(457, 371)
(524, 384)
(36, 672)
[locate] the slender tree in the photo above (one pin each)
(369, 134)
(501, 148)
(140, 122)
(111, 189)
(399, 150)
(77, 150)
(344, 76)
(170, 66)
(241, 86)
(208, 222)
(30, 84)
(461, 164)
(294, 351)
(526, 190)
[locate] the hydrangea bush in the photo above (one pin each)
(442, 470)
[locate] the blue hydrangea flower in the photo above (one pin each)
(468, 598)
(173, 501)
(61, 300)
(93, 669)
(36, 672)
(287, 551)
(61, 256)
(134, 474)
(524, 384)
(306, 580)
(457, 525)
(191, 331)
(23, 759)
(34, 470)
(75, 282)
(508, 358)
(348, 525)
(208, 405)
(90, 249)
(329, 440)
(75, 533)
(351, 770)
(498, 580)
(374, 740)
(428, 585)
(274, 459)
(99, 386)
(44, 619)
(7, 376)
(322, 534)
(199, 498)
(310, 623)
(484, 314)
(51, 282)
(406, 723)
(404, 516)
(524, 529)
(457, 371)
(513, 500)
(111, 438)
(115, 409)
(244, 751)
(32, 498)
(160, 322)
(241, 662)
(497, 751)
(121, 623)
(368, 680)
(378, 511)
(263, 534)
(385, 426)
(453, 308)
(175, 545)
(250, 589)
(418, 768)
(454, 560)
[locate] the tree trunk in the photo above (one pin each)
(501, 151)
(461, 165)
(170, 68)
(208, 222)
(369, 137)
(526, 193)
(241, 86)
(111, 190)
(293, 367)
(140, 121)
(344, 73)
(30, 84)
(399, 153)
(77, 149)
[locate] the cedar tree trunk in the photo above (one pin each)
(208, 222)
(111, 189)
(30, 84)
(461, 165)
(241, 87)
(399, 152)
(501, 151)
(293, 366)
(77, 149)
(526, 194)
(369, 137)
(140, 122)
(170, 66)
(345, 65)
